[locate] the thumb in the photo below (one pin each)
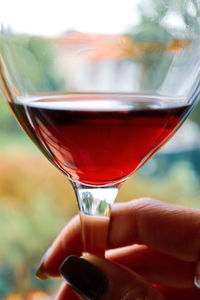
(98, 279)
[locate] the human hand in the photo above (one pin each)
(154, 250)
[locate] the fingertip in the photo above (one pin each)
(66, 293)
(67, 243)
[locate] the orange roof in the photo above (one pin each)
(30, 295)
(98, 47)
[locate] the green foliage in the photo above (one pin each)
(195, 116)
(35, 199)
(27, 230)
(7, 121)
(180, 185)
(35, 203)
(29, 62)
(156, 10)
(102, 207)
(7, 280)
(153, 32)
(87, 201)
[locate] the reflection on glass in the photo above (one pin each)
(100, 92)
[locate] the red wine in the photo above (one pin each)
(99, 139)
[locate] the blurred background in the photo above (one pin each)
(36, 200)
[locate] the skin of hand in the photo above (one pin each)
(152, 251)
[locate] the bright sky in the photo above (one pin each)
(53, 17)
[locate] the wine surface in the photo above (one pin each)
(99, 139)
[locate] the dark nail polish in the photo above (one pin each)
(84, 277)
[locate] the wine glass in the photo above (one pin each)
(99, 87)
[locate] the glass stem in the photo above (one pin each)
(94, 209)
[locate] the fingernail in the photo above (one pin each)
(40, 274)
(84, 277)
(197, 275)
